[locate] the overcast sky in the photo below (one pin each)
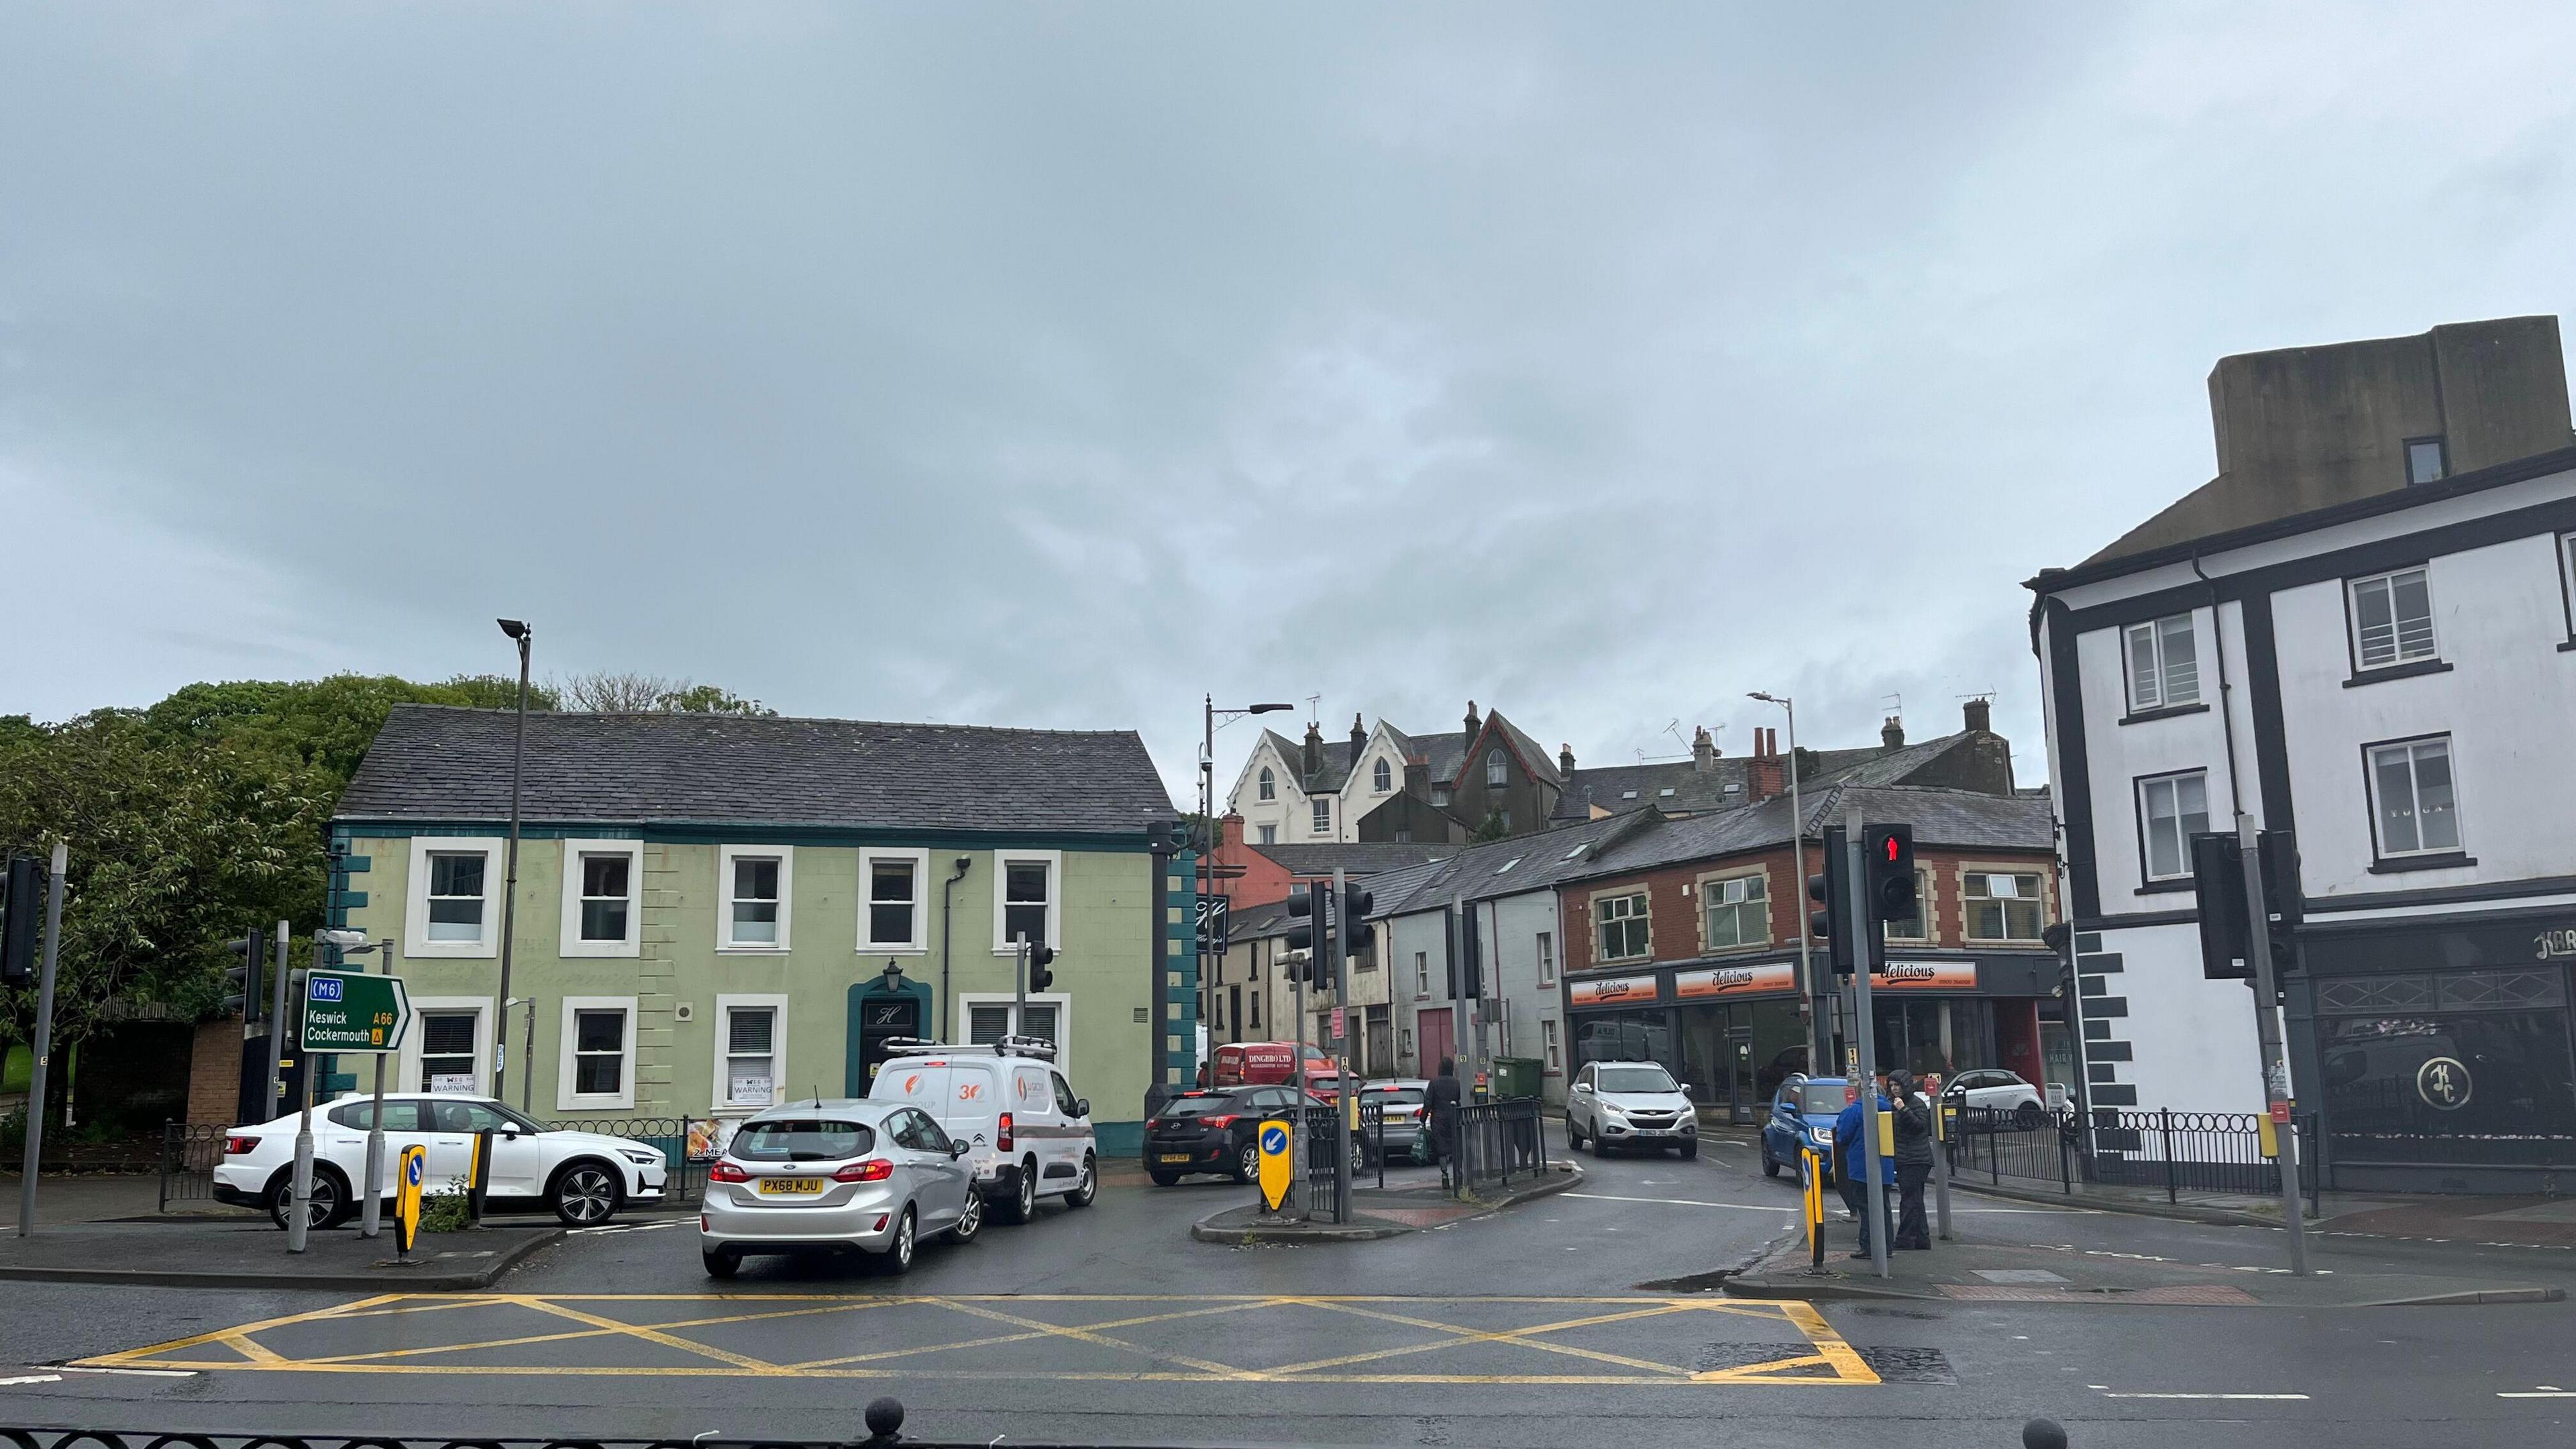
(1052, 365)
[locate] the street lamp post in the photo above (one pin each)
(1819, 1037)
(520, 631)
(1207, 851)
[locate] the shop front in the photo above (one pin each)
(2440, 1056)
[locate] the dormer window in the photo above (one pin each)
(1440, 795)
(1382, 776)
(1269, 784)
(1497, 771)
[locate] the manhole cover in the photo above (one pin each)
(2018, 1275)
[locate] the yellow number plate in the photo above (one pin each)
(790, 1186)
(1176, 1157)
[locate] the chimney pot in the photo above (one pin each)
(1475, 726)
(1703, 750)
(1892, 734)
(1980, 716)
(1565, 760)
(1314, 753)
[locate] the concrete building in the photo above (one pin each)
(2380, 658)
(717, 913)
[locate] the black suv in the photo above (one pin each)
(1212, 1132)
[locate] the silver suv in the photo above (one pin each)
(837, 1177)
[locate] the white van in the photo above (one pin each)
(1027, 1134)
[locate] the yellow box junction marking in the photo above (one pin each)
(431, 1324)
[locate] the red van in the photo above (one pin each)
(1264, 1063)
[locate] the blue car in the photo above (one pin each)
(1802, 1116)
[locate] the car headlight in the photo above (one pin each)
(1824, 1136)
(641, 1157)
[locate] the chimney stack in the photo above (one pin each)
(1475, 726)
(1980, 716)
(1763, 778)
(1359, 740)
(1703, 751)
(1892, 733)
(1565, 760)
(1314, 752)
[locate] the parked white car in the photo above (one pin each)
(1026, 1134)
(2002, 1093)
(582, 1177)
(1629, 1104)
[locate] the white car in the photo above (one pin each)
(1630, 1104)
(1026, 1134)
(583, 1177)
(1999, 1094)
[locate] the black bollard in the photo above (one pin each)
(2042, 1434)
(885, 1423)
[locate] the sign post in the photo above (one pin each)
(1865, 956)
(415, 1160)
(352, 1012)
(1276, 1163)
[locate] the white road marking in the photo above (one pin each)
(2540, 1394)
(2224, 1396)
(33, 1379)
(621, 1228)
(1690, 1202)
(134, 1373)
(2045, 1212)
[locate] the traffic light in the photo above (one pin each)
(1040, 958)
(2218, 876)
(1357, 934)
(1831, 923)
(1888, 858)
(21, 911)
(241, 979)
(1301, 909)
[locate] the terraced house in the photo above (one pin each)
(715, 913)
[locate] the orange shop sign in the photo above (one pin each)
(1735, 980)
(1611, 990)
(1925, 976)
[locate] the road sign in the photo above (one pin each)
(349, 1011)
(1337, 1023)
(1275, 1164)
(413, 1163)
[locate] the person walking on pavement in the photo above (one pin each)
(1442, 1101)
(1913, 1163)
(1851, 1173)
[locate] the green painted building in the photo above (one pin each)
(717, 913)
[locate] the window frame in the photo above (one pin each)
(1708, 939)
(1269, 834)
(1543, 944)
(1644, 914)
(1967, 903)
(1320, 815)
(1551, 1047)
(1382, 777)
(1498, 769)
(1927, 883)
(410, 1076)
(1054, 862)
(1422, 976)
(967, 1001)
(416, 941)
(2441, 453)
(2352, 622)
(2567, 585)
(1265, 786)
(919, 942)
(2379, 851)
(2154, 630)
(721, 1089)
(571, 944)
(726, 856)
(568, 1015)
(2147, 878)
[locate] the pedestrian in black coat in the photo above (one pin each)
(1441, 1102)
(1913, 1162)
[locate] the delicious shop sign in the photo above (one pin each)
(1735, 980)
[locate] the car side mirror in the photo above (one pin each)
(957, 1149)
(1082, 1106)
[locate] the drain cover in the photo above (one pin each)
(2018, 1275)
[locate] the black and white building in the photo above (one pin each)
(2366, 635)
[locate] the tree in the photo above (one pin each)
(327, 722)
(604, 692)
(713, 699)
(1494, 828)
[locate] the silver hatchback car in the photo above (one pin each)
(837, 1176)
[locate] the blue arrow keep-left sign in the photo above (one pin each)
(1274, 1138)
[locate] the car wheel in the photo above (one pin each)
(1024, 1201)
(1573, 1139)
(720, 1264)
(1770, 1164)
(584, 1194)
(1690, 1150)
(897, 1258)
(1600, 1148)
(328, 1206)
(970, 1221)
(1087, 1186)
(1162, 1178)
(2027, 1117)
(1247, 1165)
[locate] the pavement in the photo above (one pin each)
(252, 1254)
(1413, 1202)
(1582, 1317)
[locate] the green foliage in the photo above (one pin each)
(446, 1212)
(712, 699)
(326, 722)
(1494, 828)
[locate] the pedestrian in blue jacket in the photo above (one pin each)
(1852, 1166)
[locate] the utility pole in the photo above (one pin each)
(524, 635)
(1297, 1147)
(277, 1045)
(300, 1195)
(370, 1216)
(2267, 1031)
(1865, 954)
(40, 1050)
(1347, 1099)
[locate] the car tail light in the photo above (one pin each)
(876, 1169)
(1151, 1123)
(240, 1146)
(1225, 1121)
(726, 1172)
(1005, 1141)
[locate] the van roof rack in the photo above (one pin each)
(1009, 1046)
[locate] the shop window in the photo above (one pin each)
(2460, 1067)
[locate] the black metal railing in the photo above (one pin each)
(1497, 1143)
(189, 1154)
(2196, 1152)
(675, 1136)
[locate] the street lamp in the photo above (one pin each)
(524, 635)
(1208, 835)
(355, 943)
(1818, 1040)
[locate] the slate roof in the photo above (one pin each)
(1443, 755)
(1534, 862)
(1336, 757)
(436, 762)
(1359, 857)
(1957, 819)
(1696, 790)
(1249, 923)
(1541, 763)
